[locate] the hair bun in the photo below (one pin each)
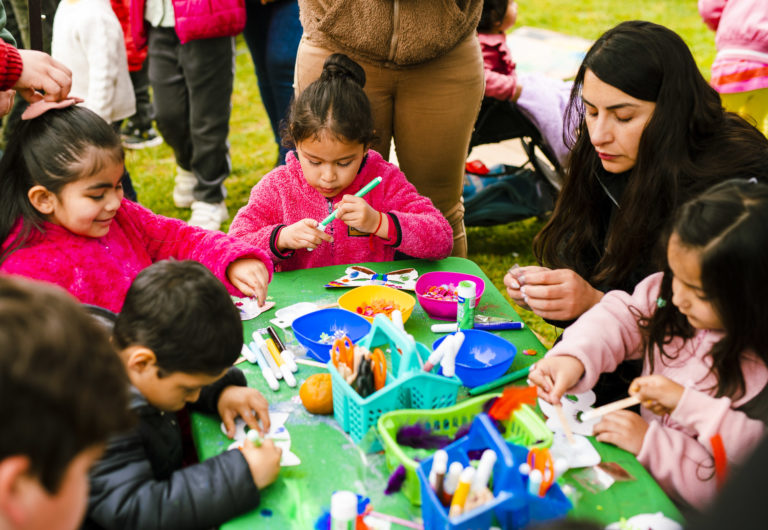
(339, 66)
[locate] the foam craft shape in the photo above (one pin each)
(571, 409)
(657, 521)
(285, 316)
(277, 433)
(355, 276)
(250, 308)
(580, 453)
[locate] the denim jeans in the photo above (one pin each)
(272, 33)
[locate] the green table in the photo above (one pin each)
(330, 460)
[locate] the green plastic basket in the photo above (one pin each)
(524, 428)
(409, 388)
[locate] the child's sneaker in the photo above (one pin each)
(139, 139)
(185, 182)
(208, 215)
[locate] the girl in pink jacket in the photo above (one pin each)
(700, 328)
(331, 126)
(63, 218)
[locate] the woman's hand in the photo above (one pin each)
(558, 294)
(512, 282)
(554, 376)
(624, 429)
(657, 393)
(357, 213)
(302, 234)
(250, 276)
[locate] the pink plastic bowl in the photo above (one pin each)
(442, 309)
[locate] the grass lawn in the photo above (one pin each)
(494, 249)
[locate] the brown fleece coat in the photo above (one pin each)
(395, 33)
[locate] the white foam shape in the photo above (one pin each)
(277, 433)
(250, 308)
(580, 453)
(656, 521)
(285, 316)
(571, 409)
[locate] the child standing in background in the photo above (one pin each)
(740, 69)
(63, 394)
(178, 349)
(700, 330)
(63, 218)
(541, 99)
(331, 127)
(87, 38)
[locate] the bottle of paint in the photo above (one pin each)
(343, 510)
(465, 311)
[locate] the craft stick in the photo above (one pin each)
(365, 189)
(631, 401)
(308, 362)
(564, 422)
(396, 520)
(514, 376)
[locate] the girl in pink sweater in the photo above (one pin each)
(331, 126)
(700, 328)
(63, 218)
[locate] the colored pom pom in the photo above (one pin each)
(395, 482)
(420, 438)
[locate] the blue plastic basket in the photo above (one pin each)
(512, 506)
(410, 387)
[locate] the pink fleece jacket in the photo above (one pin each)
(99, 271)
(676, 448)
(500, 75)
(284, 197)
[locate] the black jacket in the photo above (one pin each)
(139, 482)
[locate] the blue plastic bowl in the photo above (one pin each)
(308, 328)
(482, 358)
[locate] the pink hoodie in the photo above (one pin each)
(284, 197)
(676, 448)
(99, 271)
(500, 75)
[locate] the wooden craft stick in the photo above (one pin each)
(308, 362)
(610, 407)
(564, 422)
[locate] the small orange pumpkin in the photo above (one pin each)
(316, 394)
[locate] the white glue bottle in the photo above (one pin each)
(343, 510)
(465, 310)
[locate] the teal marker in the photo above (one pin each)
(365, 189)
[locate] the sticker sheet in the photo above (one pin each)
(357, 276)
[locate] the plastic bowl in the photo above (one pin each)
(308, 328)
(482, 358)
(443, 309)
(365, 295)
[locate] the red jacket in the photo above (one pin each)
(136, 55)
(10, 66)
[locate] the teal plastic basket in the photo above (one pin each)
(409, 388)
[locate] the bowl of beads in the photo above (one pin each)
(436, 292)
(370, 300)
(317, 331)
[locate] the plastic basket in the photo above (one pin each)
(512, 506)
(410, 387)
(525, 428)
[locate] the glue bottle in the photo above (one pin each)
(465, 310)
(343, 510)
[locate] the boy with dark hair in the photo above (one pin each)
(63, 392)
(178, 335)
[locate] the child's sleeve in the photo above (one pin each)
(417, 228)
(100, 42)
(500, 86)
(10, 66)
(163, 238)
(259, 222)
(711, 11)
(125, 494)
(608, 333)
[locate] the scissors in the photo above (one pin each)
(379, 367)
(541, 459)
(343, 351)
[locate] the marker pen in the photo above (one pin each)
(285, 353)
(265, 370)
(451, 482)
(484, 470)
(437, 474)
(437, 355)
(462, 490)
(448, 362)
(534, 482)
(272, 363)
(281, 364)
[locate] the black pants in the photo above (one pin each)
(142, 120)
(192, 86)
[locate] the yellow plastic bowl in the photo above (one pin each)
(365, 295)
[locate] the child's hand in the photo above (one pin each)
(302, 234)
(250, 276)
(248, 403)
(554, 376)
(657, 393)
(357, 213)
(264, 462)
(624, 429)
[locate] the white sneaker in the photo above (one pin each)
(182, 191)
(208, 215)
